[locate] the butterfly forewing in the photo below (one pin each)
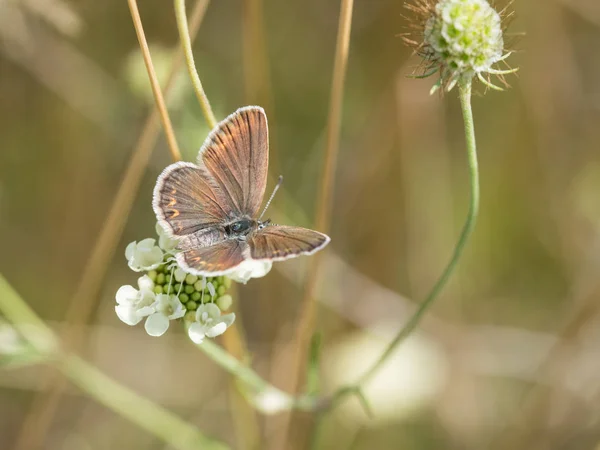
(236, 154)
(279, 242)
(214, 260)
(186, 199)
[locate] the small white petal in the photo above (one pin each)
(127, 314)
(250, 269)
(145, 311)
(159, 229)
(126, 295)
(166, 243)
(156, 324)
(196, 333)
(217, 330)
(228, 319)
(129, 250)
(147, 243)
(145, 283)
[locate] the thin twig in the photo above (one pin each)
(36, 424)
(184, 36)
(323, 215)
(158, 97)
(306, 322)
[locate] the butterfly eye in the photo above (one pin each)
(236, 227)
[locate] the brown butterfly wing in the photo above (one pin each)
(187, 199)
(217, 259)
(236, 154)
(279, 242)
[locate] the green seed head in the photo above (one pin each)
(461, 39)
(466, 34)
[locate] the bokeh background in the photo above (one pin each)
(508, 357)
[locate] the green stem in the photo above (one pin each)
(186, 43)
(139, 410)
(409, 327)
(264, 397)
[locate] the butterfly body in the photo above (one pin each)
(211, 207)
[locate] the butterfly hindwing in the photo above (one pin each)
(217, 259)
(279, 242)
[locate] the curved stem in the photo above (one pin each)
(184, 36)
(409, 327)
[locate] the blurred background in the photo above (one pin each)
(508, 357)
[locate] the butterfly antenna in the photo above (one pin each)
(277, 186)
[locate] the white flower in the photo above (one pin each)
(250, 269)
(165, 242)
(209, 323)
(143, 255)
(167, 307)
(133, 305)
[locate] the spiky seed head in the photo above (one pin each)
(460, 39)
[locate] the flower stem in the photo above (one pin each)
(409, 327)
(252, 380)
(186, 43)
(139, 410)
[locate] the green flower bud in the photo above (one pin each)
(166, 288)
(184, 298)
(179, 275)
(188, 289)
(221, 290)
(227, 282)
(152, 274)
(191, 305)
(161, 278)
(190, 316)
(224, 302)
(199, 285)
(191, 279)
(158, 289)
(196, 296)
(177, 287)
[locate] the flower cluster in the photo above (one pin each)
(166, 292)
(460, 39)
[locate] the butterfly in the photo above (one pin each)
(211, 207)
